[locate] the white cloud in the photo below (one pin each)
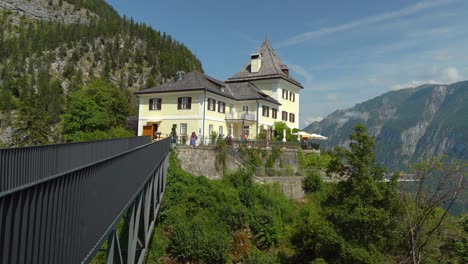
(411, 84)
(353, 114)
(332, 97)
(377, 81)
(310, 119)
(445, 76)
(308, 76)
(363, 22)
(358, 115)
(451, 75)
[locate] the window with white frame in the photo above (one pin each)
(155, 104)
(274, 113)
(245, 108)
(211, 104)
(183, 128)
(221, 107)
(292, 96)
(284, 116)
(292, 117)
(210, 130)
(285, 94)
(265, 111)
(184, 103)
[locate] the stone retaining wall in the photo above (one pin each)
(291, 185)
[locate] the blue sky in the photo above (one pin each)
(343, 52)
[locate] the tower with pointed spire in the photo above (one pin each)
(266, 71)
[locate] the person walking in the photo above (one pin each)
(193, 139)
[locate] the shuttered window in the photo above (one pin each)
(155, 103)
(211, 104)
(265, 111)
(221, 107)
(292, 96)
(285, 94)
(274, 113)
(292, 117)
(184, 103)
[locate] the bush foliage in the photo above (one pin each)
(236, 220)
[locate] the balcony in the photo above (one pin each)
(251, 116)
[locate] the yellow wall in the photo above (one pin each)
(169, 114)
(274, 88)
(263, 120)
(169, 104)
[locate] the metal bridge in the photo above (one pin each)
(61, 203)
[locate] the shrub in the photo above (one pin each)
(312, 182)
(289, 170)
(213, 137)
(201, 239)
(260, 257)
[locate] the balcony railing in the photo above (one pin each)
(242, 116)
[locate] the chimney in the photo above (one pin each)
(179, 75)
(255, 62)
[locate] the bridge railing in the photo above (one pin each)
(67, 218)
(27, 165)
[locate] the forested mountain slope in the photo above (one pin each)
(409, 124)
(53, 47)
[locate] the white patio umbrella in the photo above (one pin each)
(309, 136)
(317, 136)
(299, 134)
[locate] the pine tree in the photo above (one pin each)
(31, 126)
(362, 208)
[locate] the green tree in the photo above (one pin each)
(312, 182)
(31, 124)
(94, 111)
(363, 209)
(51, 96)
(201, 239)
(438, 185)
(278, 128)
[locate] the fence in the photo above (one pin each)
(241, 116)
(202, 141)
(284, 172)
(21, 166)
(66, 218)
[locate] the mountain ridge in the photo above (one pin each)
(409, 124)
(66, 44)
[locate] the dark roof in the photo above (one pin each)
(248, 91)
(190, 81)
(272, 67)
(199, 81)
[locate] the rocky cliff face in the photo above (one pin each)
(409, 124)
(52, 10)
(64, 44)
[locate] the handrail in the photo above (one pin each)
(66, 219)
(26, 165)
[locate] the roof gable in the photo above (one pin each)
(271, 67)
